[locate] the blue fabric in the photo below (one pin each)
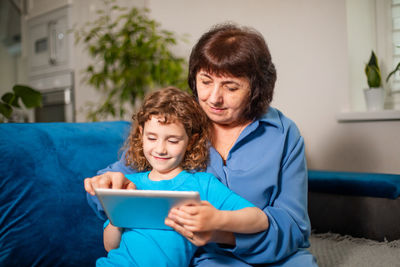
(152, 247)
(301, 258)
(44, 216)
(354, 183)
(266, 166)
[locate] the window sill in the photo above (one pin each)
(361, 116)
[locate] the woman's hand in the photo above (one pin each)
(114, 180)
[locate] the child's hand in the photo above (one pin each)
(197, 238)
(199, 217)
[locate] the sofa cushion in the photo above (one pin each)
(44, 216)
(355, 183)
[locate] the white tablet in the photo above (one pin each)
(142, 208)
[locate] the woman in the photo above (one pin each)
(256, 151)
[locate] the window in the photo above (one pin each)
(395, 34)
(372, 25)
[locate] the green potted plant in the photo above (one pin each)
(131, 54)
(375, 94)
(10, 102)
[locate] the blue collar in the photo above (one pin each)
(273, 117)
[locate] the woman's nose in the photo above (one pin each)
(216, 95)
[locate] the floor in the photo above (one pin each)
(333, 250)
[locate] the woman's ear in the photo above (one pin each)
(140, 130)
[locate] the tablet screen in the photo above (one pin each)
(142, 208)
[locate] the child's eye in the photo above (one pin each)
(151, 138)
(173, 141)
(206, 82)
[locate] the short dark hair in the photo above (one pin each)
(228, 49)
(171, 105)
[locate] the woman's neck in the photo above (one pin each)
(229, 127)
(225, 136)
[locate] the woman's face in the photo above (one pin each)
(223, 98)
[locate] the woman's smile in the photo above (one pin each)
(217, 109)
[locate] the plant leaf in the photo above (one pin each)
(373, 60)
(11, 99)
(373, 76)
(393, 72)
(132, 55)
(373, 72)
(30, 97)
(6, 110)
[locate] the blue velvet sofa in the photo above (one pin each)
(358, 204)
(44, 216)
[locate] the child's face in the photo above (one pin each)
(164, 146)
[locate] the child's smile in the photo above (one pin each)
(164, 146)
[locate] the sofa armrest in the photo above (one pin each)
(355, 183)
(357, 204)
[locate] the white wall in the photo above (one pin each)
(7, 70)
(9, 56)
(360, 16)
(308, 42)
(12, 72)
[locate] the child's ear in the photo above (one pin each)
(140, 130)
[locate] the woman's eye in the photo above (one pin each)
(173, 141)
(231, 87)
(151, 138)
(206, 82)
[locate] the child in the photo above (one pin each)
(169, 145)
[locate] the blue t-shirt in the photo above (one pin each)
(155, 247)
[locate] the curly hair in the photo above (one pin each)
(171, 105)
(228, 49)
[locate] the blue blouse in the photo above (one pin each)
(266, 166)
